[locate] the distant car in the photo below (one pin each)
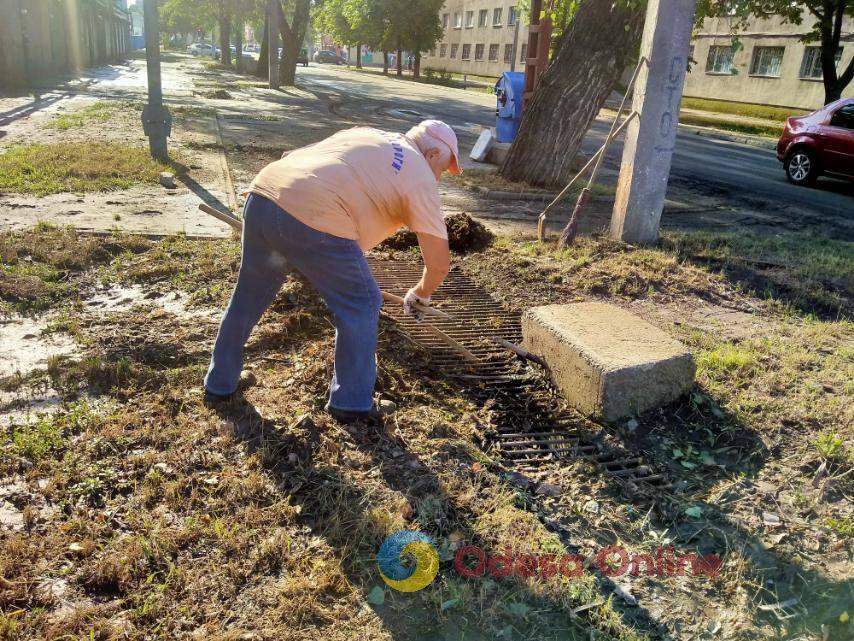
(328, 57)
(202, 49)
(819, 143)
(302, 58)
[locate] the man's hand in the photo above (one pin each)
(409, 302)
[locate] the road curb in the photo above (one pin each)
(716, 134)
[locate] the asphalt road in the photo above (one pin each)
(725, 169)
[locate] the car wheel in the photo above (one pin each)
(801, 167)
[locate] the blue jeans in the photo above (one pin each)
(273, 242)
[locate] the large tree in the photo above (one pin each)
(827, 16)
(591, 55)
(292, 23)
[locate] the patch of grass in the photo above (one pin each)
(741, 109)
(48, 434)
(830, 445)
(44, 169)
(35, 264)
(100, 111)
(812, 273)
(737, 126)
(727, 360)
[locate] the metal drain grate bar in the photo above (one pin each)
(533, 428)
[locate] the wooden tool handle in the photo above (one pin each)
(232, 220)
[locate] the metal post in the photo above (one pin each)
(273, 43)
(156, 119)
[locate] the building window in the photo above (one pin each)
(483, 18)
(478, 52)
(493, 53)
(508, 54)
(767, 61)
(458, 20)
(454, 50)
(720, 59)
(511, 16)
(443, 50)
(811, 64)
(445, 18)
(496, 17)
(469, 19)
(466, 52)
(523, 57)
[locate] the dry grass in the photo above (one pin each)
(149, 511)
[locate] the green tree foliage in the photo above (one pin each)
(824, 17)
(387, 25)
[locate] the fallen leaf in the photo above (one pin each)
(694, 512)
(376, 596)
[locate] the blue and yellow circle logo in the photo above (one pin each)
(416, 576)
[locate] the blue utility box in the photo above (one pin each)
(508, 111)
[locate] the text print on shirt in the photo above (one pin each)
(397, 150)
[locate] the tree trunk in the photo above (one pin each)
(263, 68)
(358, 55)
(288, 62)
(399, 59)
(385, 62)
(416, 71)
(225, 39)
(238, 45)
(591, 56)
(292, 36)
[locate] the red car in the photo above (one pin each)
(819, 143)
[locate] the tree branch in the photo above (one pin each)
(838, 17)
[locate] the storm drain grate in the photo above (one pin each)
(535, 427)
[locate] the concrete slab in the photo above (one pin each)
(608, 363)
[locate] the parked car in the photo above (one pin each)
(302, 58)
(819, 143)
(328, 57)
(201, 49)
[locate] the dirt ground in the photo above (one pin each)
(130, 510)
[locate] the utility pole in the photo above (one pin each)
(156, 119)
(515, 43)
(273, 42)
(648, 149)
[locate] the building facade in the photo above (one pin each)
(43, 39)
(478, 38)
(766, 64)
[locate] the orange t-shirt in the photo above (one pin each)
(360, 183)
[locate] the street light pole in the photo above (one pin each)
(156, 119)
(273, 43)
